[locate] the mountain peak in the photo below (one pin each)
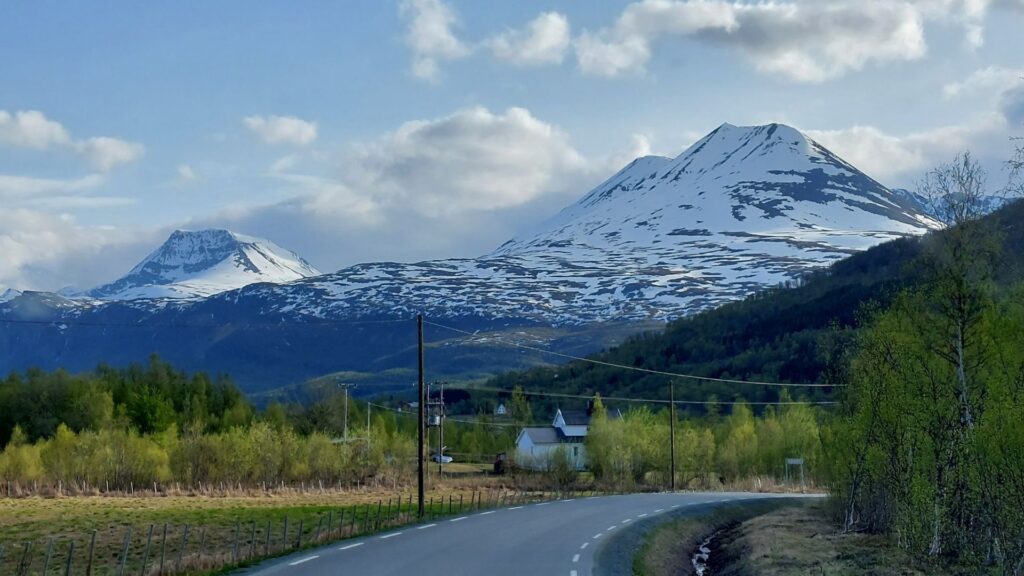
(199, 263)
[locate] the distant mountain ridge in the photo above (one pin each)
(196, 264)
(742, 209)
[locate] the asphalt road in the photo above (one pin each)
(556, 538)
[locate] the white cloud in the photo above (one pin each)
(429, 35)
(992, 80)
(471, 160)
(42, 251)
(103, 152)
(282, 129)
(891, 158)
(31, 129)
(544, 41)
(803, 41)
(12, 187)
(186, 173)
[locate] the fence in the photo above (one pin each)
(169, 549)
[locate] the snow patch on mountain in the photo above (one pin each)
(197, 264)
(9, 294)
(742, 209)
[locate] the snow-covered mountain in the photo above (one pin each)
(742, 209)
(9, 294)
(196, 264)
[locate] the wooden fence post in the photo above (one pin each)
(181, 550)
(49, 553)
(270, 529)
(252, 542)
(92, 548)
(124, 552)
(163, 549)
(284, 543)
(26, 559)
(234, 547)
(145, 554)
(71, 556)
(298, 541)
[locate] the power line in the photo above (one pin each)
(638, 369)
(639, 400)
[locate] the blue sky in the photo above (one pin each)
(362, 131)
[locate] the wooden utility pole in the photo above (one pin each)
(421, 408)
(672, 429)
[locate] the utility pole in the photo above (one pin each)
(440, 435)
(672, 429)
(345, 387)
(421, 406)
(368, 405)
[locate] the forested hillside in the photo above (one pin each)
(786, 334)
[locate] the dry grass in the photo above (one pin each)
(212, 520)
(801, 541)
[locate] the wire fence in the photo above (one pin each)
(173, 549)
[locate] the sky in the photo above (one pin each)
(419, 129)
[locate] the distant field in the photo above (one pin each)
(212, 523)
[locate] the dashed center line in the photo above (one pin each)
(424, 527)
(350, 546)
(584, 546)
(486, 513)
(572, 573)
(641, 515)
(303, 561)
(627, 520)
(459, 519)
(596, 536)
(659, 510)
(392, 535)
(516, 508)
(610, 528)
(576, 558)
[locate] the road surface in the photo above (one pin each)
(553, 538)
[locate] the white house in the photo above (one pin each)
(536, 446)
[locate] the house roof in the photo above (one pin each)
(576, 417)
(545, 435)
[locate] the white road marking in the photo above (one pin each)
(576, 558)
(543, 503)
(486, 513)
(572, 573)
(392, 535)
(424, 527)
(674, 506)
(610, 528)
(351, 546)
(659, 510)
(304, 560)
(641, 515)
(596, 536)
(627, 520)
(458, 519)
(515, 508)
(584, 546)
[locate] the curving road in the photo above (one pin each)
(556, 538)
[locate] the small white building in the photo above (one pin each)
(500, 410)
(536, 446)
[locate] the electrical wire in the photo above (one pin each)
(638, 369)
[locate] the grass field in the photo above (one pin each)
(258, 520)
